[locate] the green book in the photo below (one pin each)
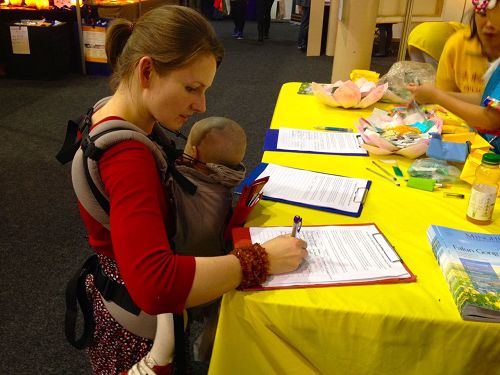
(470, 263)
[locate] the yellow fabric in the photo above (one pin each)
(473, 161)
(369, 75)
(412, 328)
(430, 37)
(462, 65)
(476, 141)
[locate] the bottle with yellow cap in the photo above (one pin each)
(484, 190)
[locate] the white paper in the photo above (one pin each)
(20, 40)
(313, 188)
(320, 141)
(338, 254)
(94, 40)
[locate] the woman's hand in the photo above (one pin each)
(285, 253)
(425, 93)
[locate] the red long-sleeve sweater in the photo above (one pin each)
(158, 281)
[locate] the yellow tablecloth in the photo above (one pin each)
(396, 329)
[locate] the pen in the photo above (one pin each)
(330, 128)
(381, 175)
(297, 224)
(454, 195)
(384, 170)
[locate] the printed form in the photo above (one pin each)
(338, 254)
(314, 188)
(321, 142)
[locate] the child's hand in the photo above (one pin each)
(285, 253)
(425, 93)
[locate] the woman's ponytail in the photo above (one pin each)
(117, 36)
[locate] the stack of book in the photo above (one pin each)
(470, 263)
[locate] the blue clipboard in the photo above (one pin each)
(359, 198)
(271, 144)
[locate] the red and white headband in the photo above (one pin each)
(480, 6)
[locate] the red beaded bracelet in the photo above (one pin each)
(254, 265)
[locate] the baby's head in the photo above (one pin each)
(217, 140)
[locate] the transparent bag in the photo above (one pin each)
(437, 170)
(401, 74)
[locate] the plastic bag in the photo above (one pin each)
(403, 73)
(437, 170)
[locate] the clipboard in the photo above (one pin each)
(249, 197)
(271, 144)
(242, 238)
(358, 196)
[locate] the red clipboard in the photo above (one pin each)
(241, 238)
(249, 197)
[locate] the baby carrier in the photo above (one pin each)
(85, 147)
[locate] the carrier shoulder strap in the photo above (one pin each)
(85, 147)
(90, 191)
(74, 130)
(86, 179)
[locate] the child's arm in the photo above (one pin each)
(469, 97)
(475, 115)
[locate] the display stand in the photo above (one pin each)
(41, 41)
(75, 51)
(44, 53)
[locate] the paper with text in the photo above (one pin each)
(314, 188)
(20, 40)
(320, 141)
(338, 254)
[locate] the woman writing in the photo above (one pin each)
(162, 67)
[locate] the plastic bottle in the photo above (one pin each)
(484, 190)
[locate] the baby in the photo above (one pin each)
(212, 161)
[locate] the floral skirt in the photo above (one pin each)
(113, 348)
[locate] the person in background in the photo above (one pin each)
(480, 111)
(238, 12)
(304, 11)
(263, 14)
(466, 56)
(426, 41)
(163, 64)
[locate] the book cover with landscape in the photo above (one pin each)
(470, 263)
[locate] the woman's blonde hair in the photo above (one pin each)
(173, 36)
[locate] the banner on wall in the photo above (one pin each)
(94, 38)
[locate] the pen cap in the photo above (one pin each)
(421, 183)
